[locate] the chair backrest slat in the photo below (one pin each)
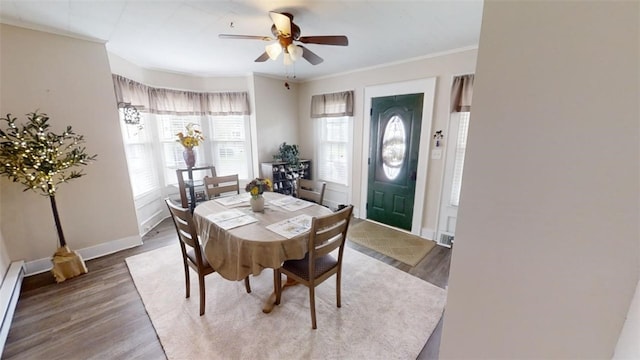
(310, 190)
(326, 232)
(185, 226)
(327, 247)
(329, 232)
(218, 185)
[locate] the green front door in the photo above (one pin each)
(393, 158)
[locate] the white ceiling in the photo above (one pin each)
(182, 36)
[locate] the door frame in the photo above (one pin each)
(427, 87)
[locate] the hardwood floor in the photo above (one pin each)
(100, 315)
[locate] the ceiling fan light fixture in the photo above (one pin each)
(285, 33)
(295, 51)
(273, 50)
(288, 60)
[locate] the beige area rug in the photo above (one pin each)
(385, 313)
(402, 246)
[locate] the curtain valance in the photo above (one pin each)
(177, 102)
(332, 105)
(461, 93)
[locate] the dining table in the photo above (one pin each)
(238, 242)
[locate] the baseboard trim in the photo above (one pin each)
(428, 234)
(42, 265)
(153, 221)
(9, 294)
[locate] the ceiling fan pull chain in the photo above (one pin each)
(288, 69)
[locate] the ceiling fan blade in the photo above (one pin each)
(262, 58)
(310, 56)
(250, 37)
(325, 40)
(282, 23)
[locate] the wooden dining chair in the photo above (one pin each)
(327, 233)
(215, 186)
(310, 190)
(192, 252)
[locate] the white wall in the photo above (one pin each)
(628, 346)
(163, 79)
(276, 115)
(443, 67)
(547, 249)
(68, 79)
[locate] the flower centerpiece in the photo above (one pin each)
(189, 139)
(256, 188)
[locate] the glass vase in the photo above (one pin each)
(189, 157)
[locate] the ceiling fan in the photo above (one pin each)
(286, 34)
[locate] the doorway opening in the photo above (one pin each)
(393, 158)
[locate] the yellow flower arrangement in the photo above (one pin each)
(258, 186)
(192, 138)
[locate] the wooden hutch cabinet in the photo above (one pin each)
(284, 175)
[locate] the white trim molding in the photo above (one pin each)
(41, 265)
(153, 221)
(428, 234)
(9, 294)
(424, 86)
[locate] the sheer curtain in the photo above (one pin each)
(333, 129)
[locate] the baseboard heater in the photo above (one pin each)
(9, 294)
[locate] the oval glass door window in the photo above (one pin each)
(393, 147)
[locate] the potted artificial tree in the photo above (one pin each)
(41, 160)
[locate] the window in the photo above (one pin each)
(140, 161)
(172, 159)
(393, 147)
(153, 154)
(333, 113)
(231, 147)
(334, 135)
(461, 146)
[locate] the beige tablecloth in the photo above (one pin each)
(248, 249)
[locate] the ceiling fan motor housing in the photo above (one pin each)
(285, 41)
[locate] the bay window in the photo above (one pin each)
(153, 152)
